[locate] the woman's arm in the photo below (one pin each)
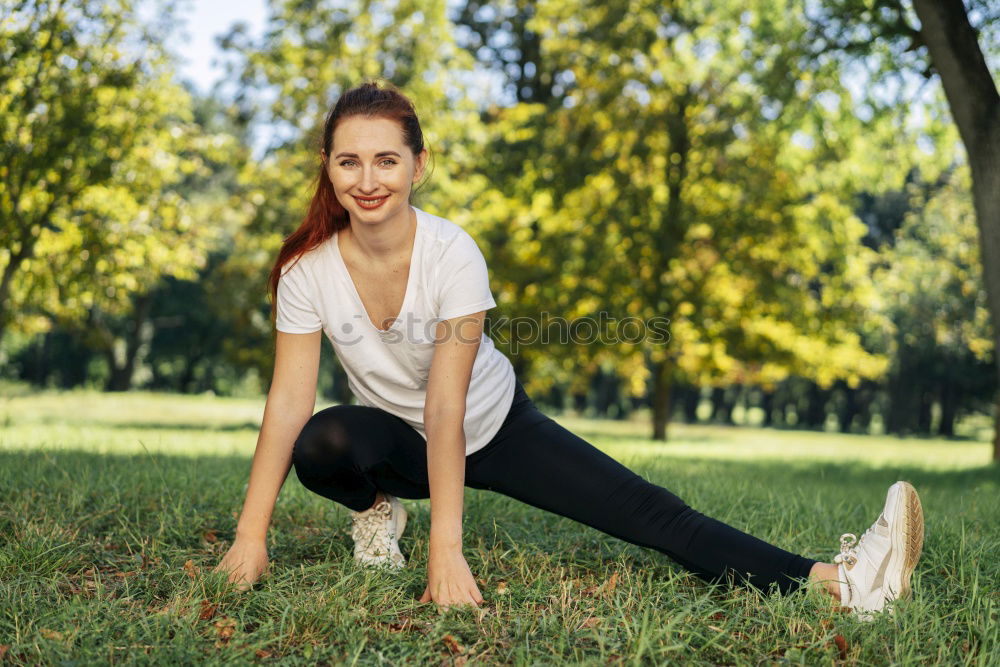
(457, 342)
(290, 403)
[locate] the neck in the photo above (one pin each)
(386, 240)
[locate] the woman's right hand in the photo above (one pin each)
(245, 562)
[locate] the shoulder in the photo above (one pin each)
(308, 262)
(446, 240)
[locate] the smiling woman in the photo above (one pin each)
(401, 294)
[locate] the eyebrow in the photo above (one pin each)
(381, 154)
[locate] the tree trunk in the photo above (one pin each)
(136, 343)
(815, 416)
(722, 405)
(949, 406)
(691, 397)
(975, 105)
(849, 409)
(661, 398)
(924, 411)
(767, 405)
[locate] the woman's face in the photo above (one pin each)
(371, 168)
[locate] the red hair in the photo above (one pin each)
(326, 215)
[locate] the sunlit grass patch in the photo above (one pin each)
(114, 509)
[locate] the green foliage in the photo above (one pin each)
(686, 173)
(95, 140)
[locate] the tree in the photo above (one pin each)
(937, 36)
(94, 136)
(665, 182)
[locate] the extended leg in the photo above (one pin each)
(549, 467)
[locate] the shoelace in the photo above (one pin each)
(849, 545)
(848, 552)
(371, 530)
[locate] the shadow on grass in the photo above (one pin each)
(153, 426)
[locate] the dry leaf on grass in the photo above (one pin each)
(210, 536)
(51, 634)
(611, 583)
(841, 646)
(207, 611)
(452, 644)
(225, 627)
(190, 569)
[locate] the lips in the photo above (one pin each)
(370, 202)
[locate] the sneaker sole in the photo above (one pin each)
(908, 541)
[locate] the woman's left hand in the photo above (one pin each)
(449, 580)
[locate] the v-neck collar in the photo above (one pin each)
(410, 279)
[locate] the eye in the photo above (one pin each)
(344, 163)
(388, 161)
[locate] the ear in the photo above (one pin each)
(421, 162)
(322, 155)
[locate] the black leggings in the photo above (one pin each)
(347, 452)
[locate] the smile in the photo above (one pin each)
(370, 203)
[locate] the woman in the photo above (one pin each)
(402, 296)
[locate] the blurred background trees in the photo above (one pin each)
(805, 232)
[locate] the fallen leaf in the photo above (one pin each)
(717, 616)
(841, 646)
(263, 654)
(208, 610)
(401, 625)
(452, 644)
(225, 627)
(501, 587)
(210, 536)
(50, 634)
(190, 569)
(609, 585)
(3, 650)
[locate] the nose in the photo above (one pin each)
(369, 182)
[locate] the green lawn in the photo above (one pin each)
(114, 507)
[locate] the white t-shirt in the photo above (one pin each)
(389, 369)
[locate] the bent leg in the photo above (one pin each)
(348, 452)
(549, 467)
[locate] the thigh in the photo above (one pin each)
(358, 439)
(550, 467)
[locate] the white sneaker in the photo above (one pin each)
(376, 533)
(876, 569)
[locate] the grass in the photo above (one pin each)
(114, 508)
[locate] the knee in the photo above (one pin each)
(324, 440)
